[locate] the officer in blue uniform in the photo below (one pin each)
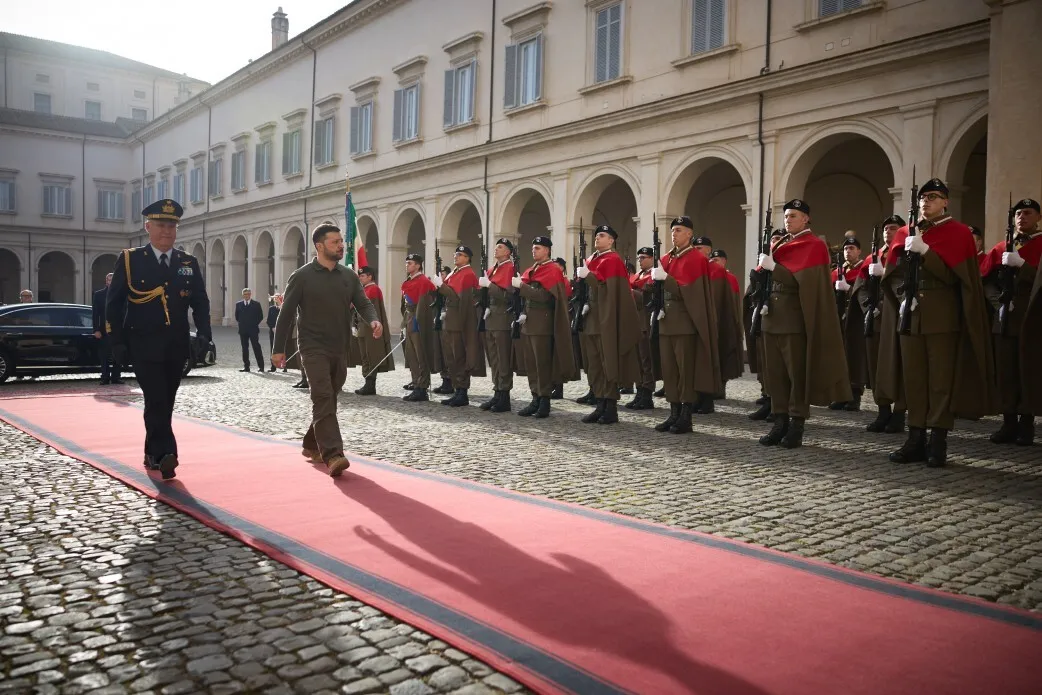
(152, 288)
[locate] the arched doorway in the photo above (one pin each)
(292, 256)
(238, 268)
(966, 175)
(369, 238)
(10, 276)
(609, 199)
(846, 179)
(408, 235)
(712, 193)
(526, 216)
(264, 268)
(462, 225)
(56, 278)
(102, 266)
(217, 290)
(198, 251)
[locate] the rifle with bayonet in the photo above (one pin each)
(912, 263)
(657, 299)
(873, 288)
(582, 290)
(519, 303)
(1007, 274)
(763, 289)
(841, 295)
(439, 299)
(483, 302)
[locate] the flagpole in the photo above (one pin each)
(351, 230)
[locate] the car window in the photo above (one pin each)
(29, 317)
(68, 316)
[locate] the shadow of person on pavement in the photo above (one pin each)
(569, 600)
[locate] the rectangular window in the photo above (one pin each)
(262, 162)
(92, 110)
(150, 195)
(707, 25)
(214, 176)
(324, 141)
(459, 94)
(135, 205)
(524, 73)
(196, 182)
(57, 200)
(406, 114)
(178, 192)
(7, 196)
(139, 114)
(291, 153)
(362, 128)
(164, 189)
(608, 40)
(110, 205)
(239, 170)
(831, 7)
(42, 103)
(139, 94)
(93, 87)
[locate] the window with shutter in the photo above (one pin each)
(465, 92)
(291, 153)
(530, 71)
(397, 116)
(355, 125)
(707, 25)
(510, 77)
(449, 112)
(831, 7)
(135, 203)
(366, 130)
(7, 196)
(608, 43)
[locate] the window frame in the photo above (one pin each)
(841, 7)
(51, 199)
(117, 204)
(50, 102)
(11, 196)
(707, 33)
(361, 124)
(605, 9)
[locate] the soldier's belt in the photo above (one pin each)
(144, 296)
(927, 284)
(779, 288)
(494, 301)
(538, 305)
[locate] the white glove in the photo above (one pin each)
(766, 261)
(842, 285)
(582, 271)
(444, 313)
(1012, 259)
(487, 312)
(915, 244)
(657, 273)
(661, 314)
(586, 309)
(515, 281)
(483, 281)
(876, 269)
(437, 280)
(354, 332)
(521, 319)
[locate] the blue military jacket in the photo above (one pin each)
(147, 307)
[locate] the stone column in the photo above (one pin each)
(559, 233)
(1014, 105)
(388, 271)
(431, 233)
(394, 256)
(755, 217)
(649, 197)
(917, 149)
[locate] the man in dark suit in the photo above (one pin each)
(109, 367)
(248, 314)
(152, 288)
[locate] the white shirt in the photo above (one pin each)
(169, 254)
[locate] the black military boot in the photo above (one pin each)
(445, 388)
(648, 403)
(896, 425)
(459, 398)
(793, 439)
(558, 392)
(879, 424)
(531, 408)
(937, 450)
(503, 404)
(674, 413)
(1007, 434)
(661, 393)
(855, 405)
(487, 405)
(762, 399)
(409, 387)
(914, 448)
(587, 399)
(628, 391)
(597, 412)
(638, 401)
(778, 431)
(683, 423)
(611, 412)
(369, 388)
(416, 396)
(1026, 430)
(706, 404)
(544, 407)
(838, 405)
(763, 411)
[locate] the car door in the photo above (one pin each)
(80, 320)
(35, 341)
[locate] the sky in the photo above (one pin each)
(205, 39)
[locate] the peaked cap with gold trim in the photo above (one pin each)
(164, 209)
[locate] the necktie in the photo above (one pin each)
(162, 261)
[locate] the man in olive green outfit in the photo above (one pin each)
(498, 321)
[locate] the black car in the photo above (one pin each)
(41, 339)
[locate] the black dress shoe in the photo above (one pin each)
(105, 382)
(118, 381)
(245, 369)
(166, 466)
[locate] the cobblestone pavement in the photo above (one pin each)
(101, 587)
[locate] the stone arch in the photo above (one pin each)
(56, 277)
(964, 161)
(216, 279)
(408, 235)
(264, 267)
(199, 251)
(294, 251)
(369, 239)
(10, 276)
(238, 267)
(846, 173)
(713, 188)
(609, 196)
(99, 268)
(462, 223)
(526, 216)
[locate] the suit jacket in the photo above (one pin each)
(98, 310)
(249, 317)
(147, 308)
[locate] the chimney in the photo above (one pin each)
(279, 29)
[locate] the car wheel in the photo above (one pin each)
(187, 368)
(6, 366)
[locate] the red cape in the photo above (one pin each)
(717, 271)
(462, 279)
(686, 268)
(501, 274)
(851, 274)
(1031, 252)
(417, 287)
(373, 293)
(548, 274)
(607, 265)
(952, 242)
(638, 281)
(802, 252)
(869, 260)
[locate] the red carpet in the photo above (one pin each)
(563, 598)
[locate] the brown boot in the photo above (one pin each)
(337, 464)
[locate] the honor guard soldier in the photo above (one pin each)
(852, 320)
(730, 339)
(1014, 270)
(461, 343)
(640, 285)
(146, 312)
(757, 361)
(374, 352)
(883, 347)
(546, 332)
(421, 340)
(802, 343)
(498, 322)
(946, 354)
(982, 255)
